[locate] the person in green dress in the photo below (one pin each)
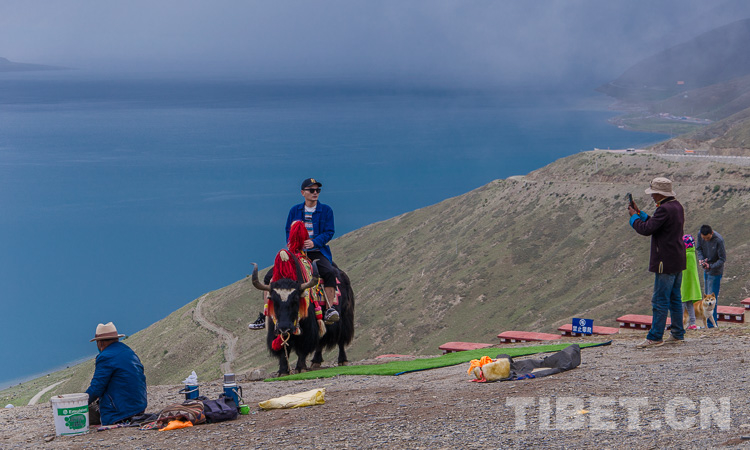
(691, 286)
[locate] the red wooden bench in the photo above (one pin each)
(450, 347)
(637, 321)
(734, 314)
(746, 303)
(567, 330)
(507, 337)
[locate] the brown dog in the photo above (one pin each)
(704, 311)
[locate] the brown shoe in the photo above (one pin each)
(673, 340)
(649, 344)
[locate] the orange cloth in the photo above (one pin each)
(479, 363)
(177, 424)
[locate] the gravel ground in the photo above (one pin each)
(690, 395)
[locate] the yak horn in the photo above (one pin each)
(256, 282)
(313, 280)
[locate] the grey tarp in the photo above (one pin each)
(566, 359)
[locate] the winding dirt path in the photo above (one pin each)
(229, 339)
(39, 394)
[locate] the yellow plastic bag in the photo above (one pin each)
(308, 398)
(496, 370)
(486, 369)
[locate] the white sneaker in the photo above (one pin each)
(259, 324)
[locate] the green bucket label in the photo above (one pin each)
(76, 421)
(69, 411)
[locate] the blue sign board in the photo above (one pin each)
(583, 326)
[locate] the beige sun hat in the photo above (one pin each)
(661, 185)
(106, 331)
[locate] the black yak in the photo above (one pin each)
(293, 327)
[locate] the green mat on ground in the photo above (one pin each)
(449, 359)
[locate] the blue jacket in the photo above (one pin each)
(323, 229)
(118, 383)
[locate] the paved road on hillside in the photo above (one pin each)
(39, 394)
(737, 160)
(229, 339)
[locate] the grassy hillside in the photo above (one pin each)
(529, 253)
(525, 253)
(730, 136)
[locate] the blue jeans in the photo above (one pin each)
(713, 283)
(667, 300)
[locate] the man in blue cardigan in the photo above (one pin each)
(318, 220)
(119, 383)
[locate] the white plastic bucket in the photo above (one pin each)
(71, 413)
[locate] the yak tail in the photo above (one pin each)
(347, 310)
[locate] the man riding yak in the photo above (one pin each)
(293, 298)
(318, 221)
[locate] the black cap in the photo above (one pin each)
(310, 182)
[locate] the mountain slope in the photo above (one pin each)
(525, 253)
(710, 58)
(714, 102)
(678, 90)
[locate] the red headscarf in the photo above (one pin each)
(297, 236)
(283, 265)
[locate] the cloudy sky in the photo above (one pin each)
(466, 42)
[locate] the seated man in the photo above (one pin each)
(118, 389)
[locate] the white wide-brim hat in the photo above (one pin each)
(661, 185)
(106, 331)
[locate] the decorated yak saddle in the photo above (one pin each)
(293, 263)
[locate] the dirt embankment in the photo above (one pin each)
(691, 395)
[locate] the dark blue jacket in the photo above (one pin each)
(118, 383)
(323, 229)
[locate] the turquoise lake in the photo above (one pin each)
(124, 199)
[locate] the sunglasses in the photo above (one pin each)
(313, 190)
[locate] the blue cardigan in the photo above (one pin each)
(119, 383)
(323, 229)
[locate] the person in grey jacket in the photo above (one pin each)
(711, 256)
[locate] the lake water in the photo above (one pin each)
(124, 199)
